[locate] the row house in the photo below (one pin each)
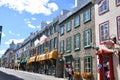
(76, 34)
(107, 30)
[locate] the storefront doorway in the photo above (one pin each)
(106, 70)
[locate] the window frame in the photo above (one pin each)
(68, 25)
(87, 42)
(100, 34)
(68, 44)
(55, 42)
(77, 64)
(118, 27)
(87, 13)
(62, 30)
(117, 3)
(55, 27)
(77, 36)
(62, 46)
(76, 18)
(104, 11)
(89, 68)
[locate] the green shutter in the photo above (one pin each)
(74, 42)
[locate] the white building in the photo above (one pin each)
(107, 25)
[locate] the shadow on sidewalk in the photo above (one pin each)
(4, 76)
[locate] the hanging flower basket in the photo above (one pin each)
(87, 75)
(77, 74)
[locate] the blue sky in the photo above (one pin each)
(21, 17)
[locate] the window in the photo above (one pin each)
(68, 44)
(51, 30)
(103, 6)
(77, 41)
(62, 46)
(88, 64)
(104, 32)
(68, 26)
(55, 42)
(61, 30)
(77, 65)
(55, 27)
(51, 44)
(87, 15)
(87, 38)
(117, 2)
(76, 21)
(118, 27)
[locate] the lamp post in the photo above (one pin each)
(0, 33)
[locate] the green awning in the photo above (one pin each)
(24, 60)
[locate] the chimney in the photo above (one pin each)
(43, 24)
(63, 12)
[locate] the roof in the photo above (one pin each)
(64, 17)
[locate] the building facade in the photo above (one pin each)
(77, 33)
(107, 28)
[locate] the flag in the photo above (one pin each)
(43, 39)
(36, 42)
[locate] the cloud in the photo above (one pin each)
(31, 26)
(34, 7)
(33, 18)
(3, 34)
(15, 41)
(2, 52)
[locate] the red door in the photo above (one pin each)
(106, 71)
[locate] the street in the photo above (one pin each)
(11, 74)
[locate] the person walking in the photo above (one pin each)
(70, 72)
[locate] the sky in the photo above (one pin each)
(21, 17)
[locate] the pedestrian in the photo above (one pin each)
(70, 72)
(108, 74)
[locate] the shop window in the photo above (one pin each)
(77, 41)
(118, 27)
(103, 6)
(117, 2)
(87, 15)
(88, 64)
(62, 46)
(68, 44)
(68, 26)
(61, 30)
(76, 21)
(87, 38)
(77, 65)
(104, 31)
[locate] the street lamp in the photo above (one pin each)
(0, 33)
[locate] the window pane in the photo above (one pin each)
(87, 15)
(104, 33)
(77, 21)
(118, 27)
(68, 26)
(103, 6)
(61, 30)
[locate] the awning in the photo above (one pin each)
(24, 60)
(104, 50)
(52, 54)
(43, 56)
(31, 59)
(38, 58)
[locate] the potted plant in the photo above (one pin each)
(87, 75)
(77, 74)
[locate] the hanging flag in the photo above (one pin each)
(43, 39)
(36, 42)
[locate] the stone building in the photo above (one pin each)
(76, 34)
